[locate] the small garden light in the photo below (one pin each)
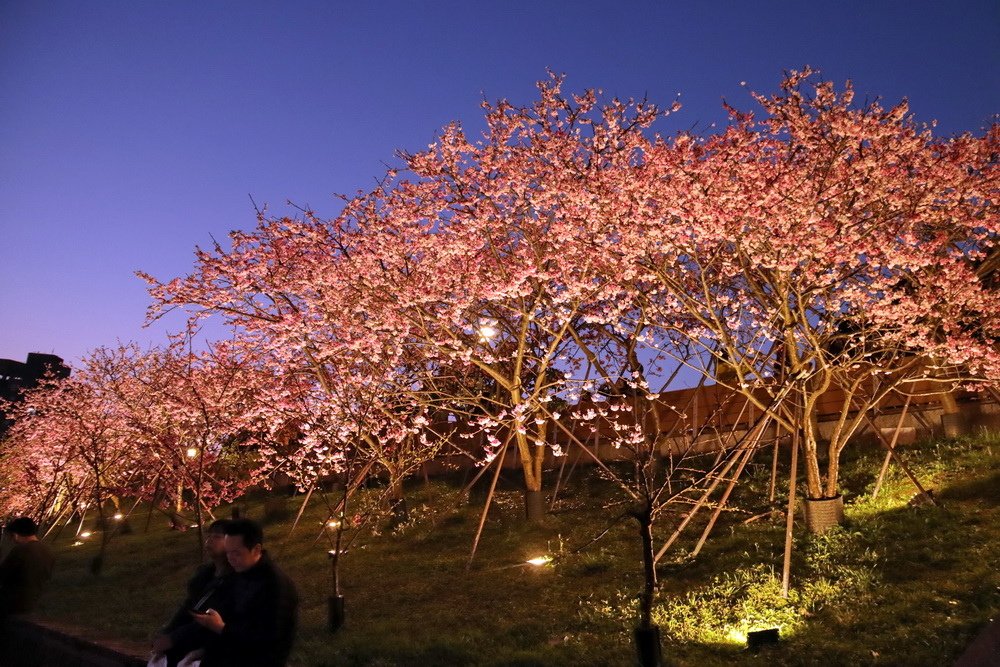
(85, 534)
(78, 543)
(332, 523)
(538, 561)
(118, 517)
(192, 452)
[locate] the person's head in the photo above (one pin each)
(215, 539)
(23, 529)
(244, 544)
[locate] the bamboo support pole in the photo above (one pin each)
(489, 500)
(750, 449)
(902, 465)
(698, 505)
(786, 568)
(302, 509)
(892, 446)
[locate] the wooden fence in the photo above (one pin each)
(712, 416)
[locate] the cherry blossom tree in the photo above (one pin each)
(43, 476)
(471, 259)
(821, 246)
(70, 447)
(337, 384)
(187, 411)
(479, 254)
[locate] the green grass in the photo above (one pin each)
(895, 585)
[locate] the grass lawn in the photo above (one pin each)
(895, 585)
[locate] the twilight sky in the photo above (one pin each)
(130, 132)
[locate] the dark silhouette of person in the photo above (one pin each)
(182, 637)
(256, 622)
(26, 569)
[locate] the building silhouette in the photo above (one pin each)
(16, 377)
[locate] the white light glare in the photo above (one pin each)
(488, 331)
(539, 560)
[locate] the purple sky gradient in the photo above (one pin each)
(132, 131)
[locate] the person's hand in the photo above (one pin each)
(162, 643)
(210, 620)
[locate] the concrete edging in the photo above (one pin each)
(28, 643)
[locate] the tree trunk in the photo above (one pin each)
(534, 506)
(532, 472)
(399, 512)
(832, 471)
(647, 646)
(645, 519)
(810, 453)
(647, 635)
(532, 457)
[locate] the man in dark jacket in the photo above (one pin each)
(25, 570)
(206, 589)
(256, 624)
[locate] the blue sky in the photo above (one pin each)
(130, 132)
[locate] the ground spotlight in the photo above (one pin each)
(759, 638)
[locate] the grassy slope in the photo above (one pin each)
(896, 585)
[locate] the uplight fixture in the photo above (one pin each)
(119, 516)
(538, 561)
(192, 452)
(758, 638)
(85, 534)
